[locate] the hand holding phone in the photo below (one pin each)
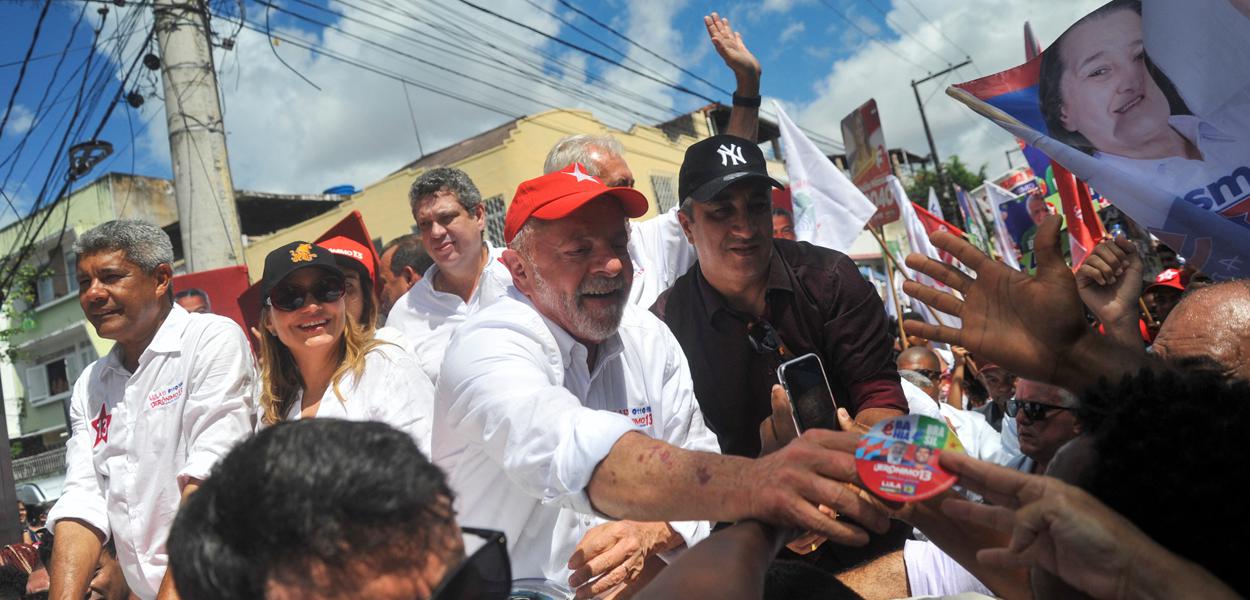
(811, 399)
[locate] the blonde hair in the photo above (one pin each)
(280, 378)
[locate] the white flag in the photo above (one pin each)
(1006, 247)
(918, 239)
(828, 209)
(935, 206)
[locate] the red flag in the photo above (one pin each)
(932, 224)
(1084, 226)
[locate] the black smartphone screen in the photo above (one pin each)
(810, 397)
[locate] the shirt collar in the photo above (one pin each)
(169, 336)
(572, 351)
(714, 301)
(1200, 133)
(484, 279)
(168, 339)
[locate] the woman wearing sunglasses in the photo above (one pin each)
(317, 361)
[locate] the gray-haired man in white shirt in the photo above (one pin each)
(149, 419)
(561, 406)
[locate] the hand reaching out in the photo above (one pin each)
(1033, 326)
(1065, 531)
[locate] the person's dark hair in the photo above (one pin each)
(13, 582)
(1050, 94)
(344, 501)
(445, 178)
(781, 212)
(194, 292)
(409, 252)
(1167, 444)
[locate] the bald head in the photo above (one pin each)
(918, 358)
(1210, 331)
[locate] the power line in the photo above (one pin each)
(871, 37)
(389, 48)
(939, 29)
(584, 50)
(631, 42)
(21, 75)
(906, 31)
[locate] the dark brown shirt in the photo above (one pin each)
(817, 302)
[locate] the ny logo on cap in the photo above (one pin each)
(731, 152)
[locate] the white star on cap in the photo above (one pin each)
(580, 174)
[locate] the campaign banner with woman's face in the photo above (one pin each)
(1149, 102)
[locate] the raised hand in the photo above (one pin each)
(1109, 283)
(734, 52)
(1033, 326)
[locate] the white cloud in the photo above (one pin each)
(791, 31)
(285, 136)
(20, 120)
(990, 30)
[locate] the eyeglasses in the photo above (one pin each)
(485, 575)
(288, 297)
(1033, 411)
(764, 339)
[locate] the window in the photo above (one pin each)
(71, 271)
(52, 380)
(495, 212)
(57, 276)
(665, 192)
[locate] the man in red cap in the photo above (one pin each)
(563, 408)
(1162, 296)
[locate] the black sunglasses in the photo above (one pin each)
(289, 297)
(1034, 411)
(764, 339)
(485, 575)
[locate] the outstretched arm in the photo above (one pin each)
(1033, 326)
(743, 120)
(1066, 531)
(646, 479)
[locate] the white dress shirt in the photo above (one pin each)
(521, 422)
(427, 317)
(974, 432)
(392, 389)
(138, 438)
(660, 253)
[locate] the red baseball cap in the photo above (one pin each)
(556, 194)
(345, 247)
(1170, 278)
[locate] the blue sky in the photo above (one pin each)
(821, 58)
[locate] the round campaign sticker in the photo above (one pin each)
(898, 458)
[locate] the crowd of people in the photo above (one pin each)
(593, 410)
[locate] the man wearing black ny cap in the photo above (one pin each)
(753, 302)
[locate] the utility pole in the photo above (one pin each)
(10, 529)
(933, 153)
(203, 189)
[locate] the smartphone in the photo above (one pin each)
(811, 400)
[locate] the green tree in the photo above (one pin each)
(956, 172)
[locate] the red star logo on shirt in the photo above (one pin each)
(101, 426)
